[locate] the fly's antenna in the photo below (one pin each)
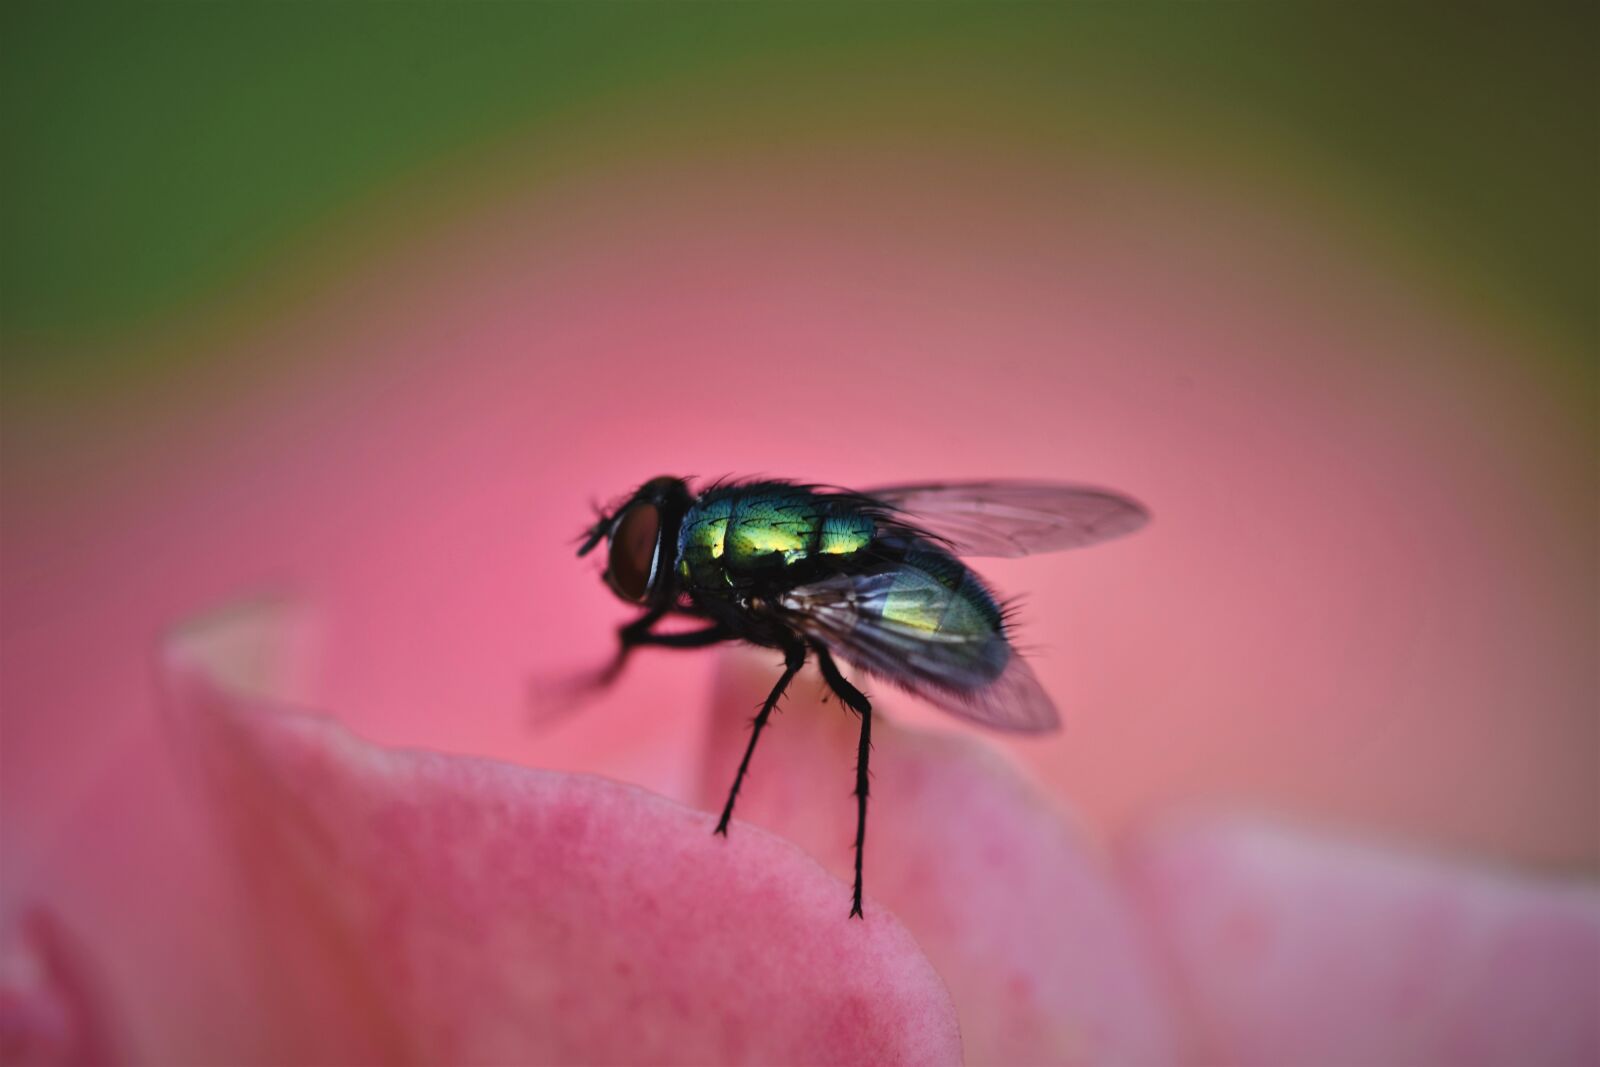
(593, 535)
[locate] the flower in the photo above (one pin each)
(409, 906)
(1199, 940)
(51, 1009)
(414, 907)
(1347, 585)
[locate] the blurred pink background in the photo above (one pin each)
(1366, 600)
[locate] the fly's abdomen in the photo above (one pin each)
(934, 595)
(912, 613)
(845, 534)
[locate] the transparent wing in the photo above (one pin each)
(1003, 518)
(970, 671)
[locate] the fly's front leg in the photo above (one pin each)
(711, 635)
(629, 637)
(794, 657)
(856, 701)
(637, 634)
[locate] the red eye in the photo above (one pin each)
(633, 551)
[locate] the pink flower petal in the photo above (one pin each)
(1010, 906)
(423, 907)
(51, 1010)
(1293, 950)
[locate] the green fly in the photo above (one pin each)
(872, 578)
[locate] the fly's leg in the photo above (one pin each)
(629, 637)
(636, 635)
(855, 700)
(794, 657)
(554, 700)
(711, 635)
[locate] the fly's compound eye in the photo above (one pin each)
(631, 568)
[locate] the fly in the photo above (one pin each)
(872, 578)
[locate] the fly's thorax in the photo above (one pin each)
(735, 537)
(702, 542)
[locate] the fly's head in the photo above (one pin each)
(642, 541)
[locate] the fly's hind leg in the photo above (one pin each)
(856, 701)
(794, 657)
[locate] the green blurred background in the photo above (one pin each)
(203, 164)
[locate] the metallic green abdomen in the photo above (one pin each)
(937, 595)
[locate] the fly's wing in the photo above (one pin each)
(1013, 518)
(905, 626)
